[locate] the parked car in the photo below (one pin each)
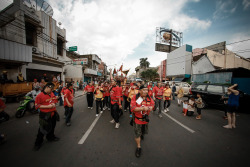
(185, 86)
(212, 95)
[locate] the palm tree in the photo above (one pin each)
(144, 63)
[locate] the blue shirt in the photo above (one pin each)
(233, 100)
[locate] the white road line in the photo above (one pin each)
(85, 136)
(184, 126)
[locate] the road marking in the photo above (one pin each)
(184, 126)
(85, 136)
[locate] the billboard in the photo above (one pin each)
(81, 61)
(167, 40)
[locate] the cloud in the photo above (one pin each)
(246, 4)
(224, 9)
(239, 43)
(114, 29)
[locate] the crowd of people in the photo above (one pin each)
(138, 98)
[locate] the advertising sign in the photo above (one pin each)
(80, 61)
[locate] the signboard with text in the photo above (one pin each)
(73, 48)
(81, 61)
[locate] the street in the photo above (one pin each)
(173, 140)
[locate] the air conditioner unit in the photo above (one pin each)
(35, 50)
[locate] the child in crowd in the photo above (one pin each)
(198, 106)
(191, 107)
(185, 107)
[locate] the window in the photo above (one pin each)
(185, 85)
(225, 89)
(31, 35)
(214, 88)
(200, 87)
(59, 46)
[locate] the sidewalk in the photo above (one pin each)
(12, 107)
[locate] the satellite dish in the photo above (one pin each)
(39, 5)
(60, 23)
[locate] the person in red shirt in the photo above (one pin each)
(141, 105)
(150, 89)
(90, 94)
(106, 94)
(121, 98)
(158, 97)
(46, 102)
(115, 97)
(69, 102)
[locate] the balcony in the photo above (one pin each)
(96, 58)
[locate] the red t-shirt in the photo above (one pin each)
(150, 90)
(115, 94)
(45, 99)
(106, 91)
(125, 92)
(69, 95)
(63, 89)
(89, 88)
(147, 102)
(158, 92)
(120, 89)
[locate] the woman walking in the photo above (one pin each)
(180, 94)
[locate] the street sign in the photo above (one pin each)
(80, 61)
(73, 48)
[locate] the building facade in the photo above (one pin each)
(31, 40)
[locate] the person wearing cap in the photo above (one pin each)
(89, 89)
(141, 105)
(158, 97)
(46, 102)
(115, 97)
(68, 103)
(20, 77)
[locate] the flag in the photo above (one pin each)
(114, 72)
(125, 72)
(120, 68)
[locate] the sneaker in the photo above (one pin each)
(96, 115)
(112, 121)
(68, 124)
(233, 126)
(130, 115)
(54, 139)
(160, 115)
(91, 108)
(88, 107)
(167, 109)
(228, 126)
(125, 110)
(138, 152)
(101, 112)
(109, 109)
(117, 125)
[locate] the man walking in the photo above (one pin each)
(141, 105)
(158, 97)
(90, 94)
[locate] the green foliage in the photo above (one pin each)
(144, 63)
(150, 74)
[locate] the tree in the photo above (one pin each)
(150, 74)
(144, 63)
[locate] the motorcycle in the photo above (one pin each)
(27, 104)
(4, 116)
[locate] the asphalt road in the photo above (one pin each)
(183, 142)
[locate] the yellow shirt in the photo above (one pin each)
(99, 94)
(167, 92)
(132, 93)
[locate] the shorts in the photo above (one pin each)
(140, 129)
(232, 109)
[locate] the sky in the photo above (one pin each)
(123, 31)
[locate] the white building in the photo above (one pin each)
(179, 63)
(41, 43)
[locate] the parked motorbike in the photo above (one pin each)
(26, 105)
(4, 116)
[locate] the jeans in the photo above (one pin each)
(106, 102)
(126, 103)
(159, 103)
(90, 99)
(68, 113)
(173, 94)
(115, 112)
(49, 136)
(169, 103)
(61, 101)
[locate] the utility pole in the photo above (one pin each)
(225, 55)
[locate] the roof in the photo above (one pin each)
(237, 72)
